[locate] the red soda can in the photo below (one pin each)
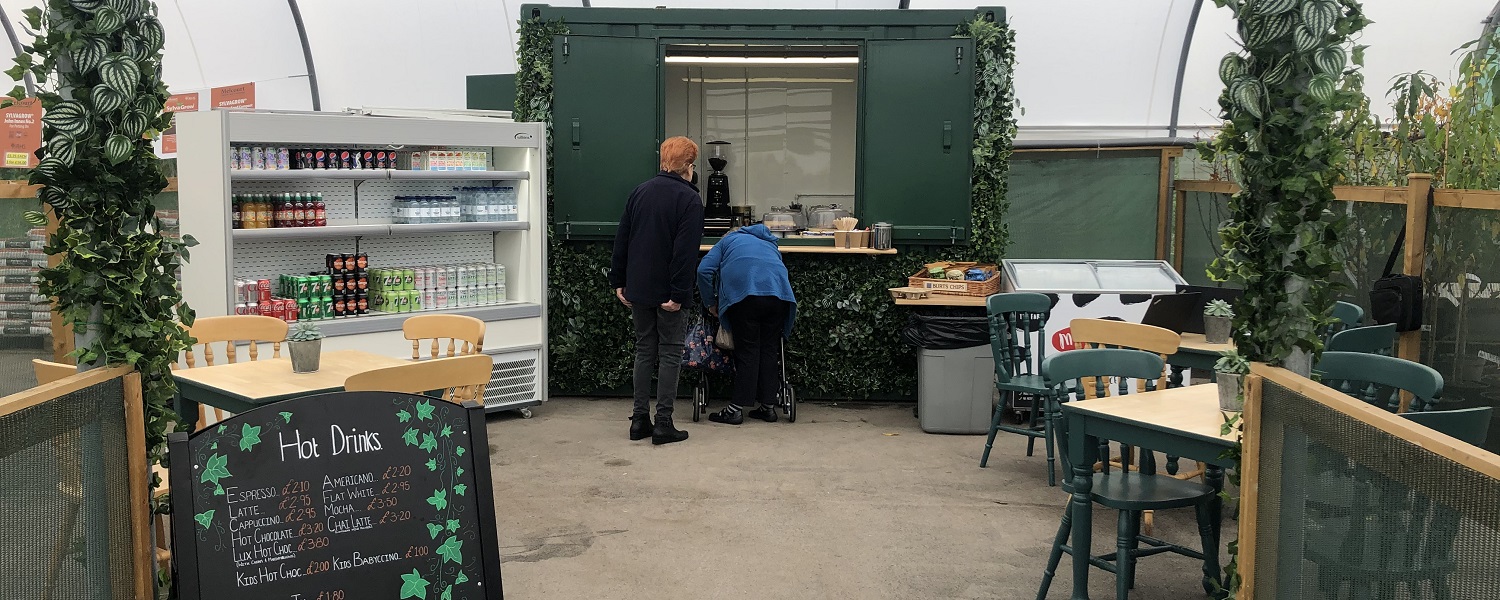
(263, 291)
(291, 313)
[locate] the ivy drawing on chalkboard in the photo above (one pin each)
(216, 469)
(431, 429)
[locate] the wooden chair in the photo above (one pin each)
(1014, 319)
(1374, 339)
(1345, 316)
(48, 371)
(1084, 374)
(1101, 333)
(1379, 380)
(460, 378)
(465, 335)
(230, 330)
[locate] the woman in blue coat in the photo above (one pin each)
(743, 280)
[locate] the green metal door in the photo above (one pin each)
(916, 136)
(605, 129)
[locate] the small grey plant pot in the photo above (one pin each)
(1216, 329)
(1229, 392)
(305, 355)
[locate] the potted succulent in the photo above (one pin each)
(1230, 374)
(305, 343)
(1218, 318)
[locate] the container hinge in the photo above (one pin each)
(958, 57)
(565, 46)
(567, 230)
(953, 233)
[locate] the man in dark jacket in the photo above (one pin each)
(655, 261)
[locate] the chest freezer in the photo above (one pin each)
(1090, 289)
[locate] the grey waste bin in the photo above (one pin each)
(956, 390)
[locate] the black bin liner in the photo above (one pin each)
(946, 332)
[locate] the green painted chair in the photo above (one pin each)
(1384, 538)
(1374, 339)
(1379, 380)
(1128, 492)
(1015, 319)
(1345, 316)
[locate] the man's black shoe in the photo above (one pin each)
(665, 433)
(640, 427)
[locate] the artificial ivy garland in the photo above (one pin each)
(1296, 72)
(98, 70)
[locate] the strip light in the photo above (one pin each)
(764, 60)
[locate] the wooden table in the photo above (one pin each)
(239, 387)
(1195, 353)
(1182, 422)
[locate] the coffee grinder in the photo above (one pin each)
(716, 212)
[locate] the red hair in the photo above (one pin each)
(677, 154)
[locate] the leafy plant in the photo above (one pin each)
(305, 331)
(995, 109)
(1232, 362)
(1218, 308)
(1297, 69)
(98, 71)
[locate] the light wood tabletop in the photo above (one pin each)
(1192, 410)
(273, 378)
(1196, 341)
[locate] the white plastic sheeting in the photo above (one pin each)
(1087, 69)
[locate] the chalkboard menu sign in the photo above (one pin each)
(345, 496)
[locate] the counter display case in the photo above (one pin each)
(395, 212)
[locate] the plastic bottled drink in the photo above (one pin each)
(398, 210)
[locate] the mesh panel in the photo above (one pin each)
(1078, 205)
(1463, 342)
(64, 509)
(1347, 510)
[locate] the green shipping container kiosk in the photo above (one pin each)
(872, 108)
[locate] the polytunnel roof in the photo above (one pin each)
(1086, 69)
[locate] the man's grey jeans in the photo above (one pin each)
(658, 347)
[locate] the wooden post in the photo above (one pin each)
(1181, 231)
(1163, 212)
(139, 469)
(62, 333)
(1249, 484)
(1417, 187)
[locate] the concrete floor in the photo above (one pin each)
(851, 501)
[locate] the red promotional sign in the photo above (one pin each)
(1063, 339)
(233, 96)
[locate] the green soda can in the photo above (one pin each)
(408, 279)
(304, 310)
(375, 280)
(304, 285)
(327, 303)
(414, 299)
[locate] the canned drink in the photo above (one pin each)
(257, 157)
(247, 158)
(240, 308)
(340, 306)
(346, 159)
(416, 300)
(348, 262)
(420, 279)
(417, 162)
(293, 312)
(439, 277)
(334, 262)
(361, 281)
(320, 159)
(263, 291)
(283, 159)
(461, 274)
(377, 301)
(234, 158)
(367, 159)
(302, 308)
(408, 279)
(362, 303)
(252, 308)
(429, 299)
(341, 283)
(361, 261)
(382, 161)
(500, 275)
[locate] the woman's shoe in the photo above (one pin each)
(729, 416)
(764, 412)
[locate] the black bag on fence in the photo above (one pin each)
(1397, 298)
